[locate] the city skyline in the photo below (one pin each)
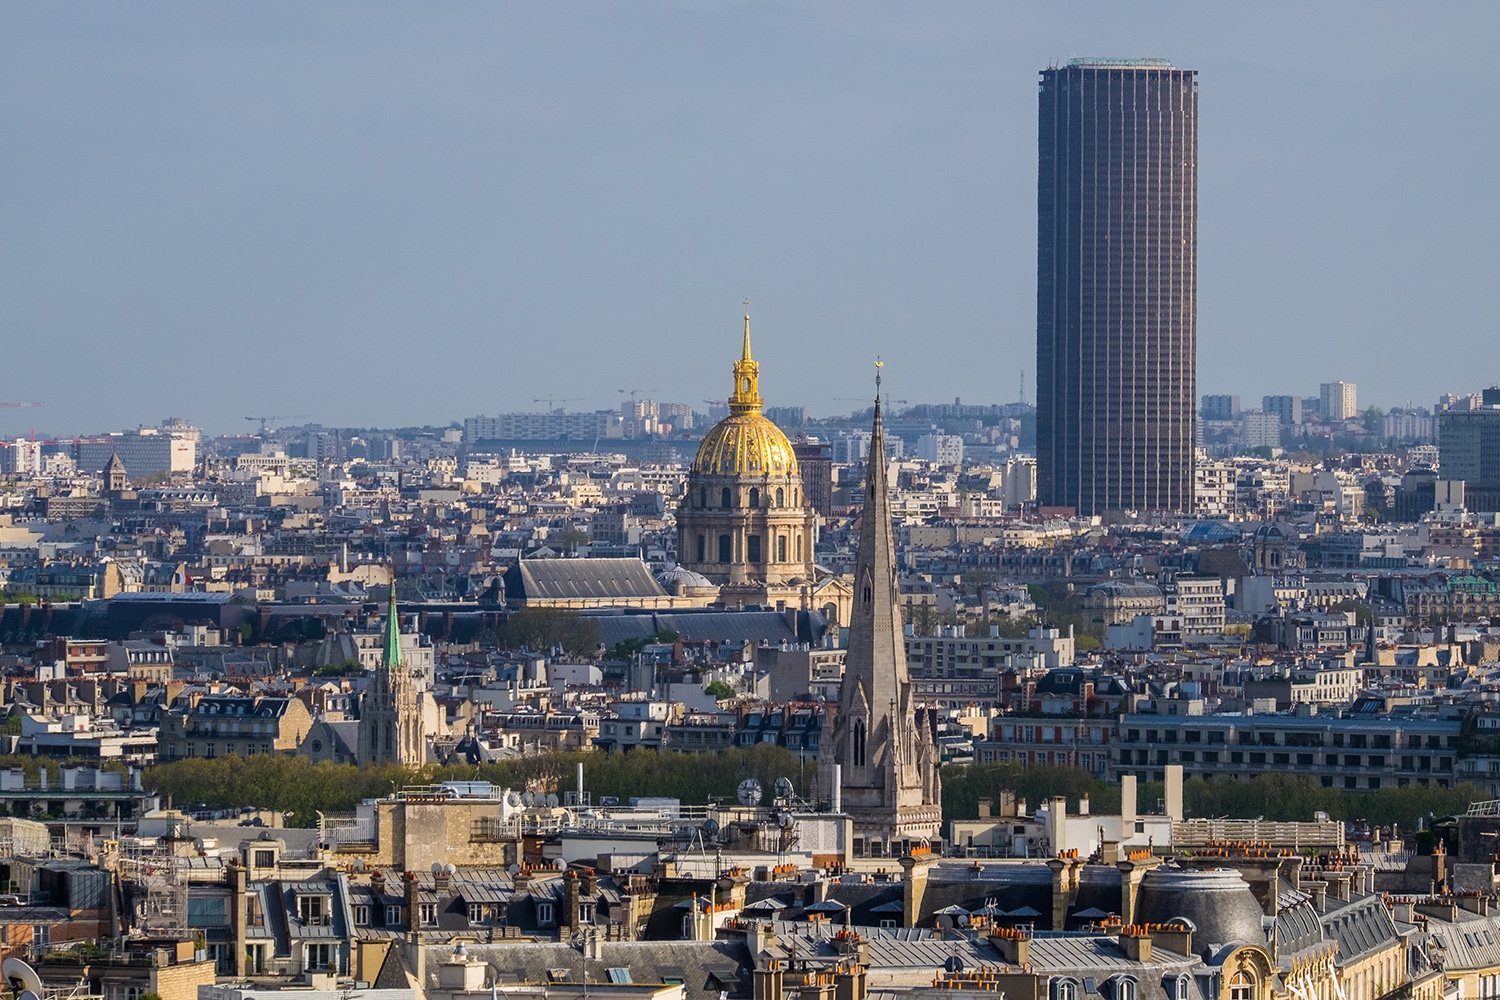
(229, 212)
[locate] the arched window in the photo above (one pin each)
(754, 497)
(1124, 989)
(726, 549)
(1241, 987)
(746, 387)
(725, 498)
(703, 496)
(1064, 989)
(1181, 992)
(831, 614)
(859, 742)
(780, 497)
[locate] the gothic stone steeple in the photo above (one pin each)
(390, 723)
(889, 780)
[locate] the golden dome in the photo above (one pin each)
(745, 443)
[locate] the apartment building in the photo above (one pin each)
(1352, 753)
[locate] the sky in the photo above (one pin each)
(379, 214)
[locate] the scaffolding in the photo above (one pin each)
(155, 889)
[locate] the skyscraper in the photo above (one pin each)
(1117, 286)
(1340, 400)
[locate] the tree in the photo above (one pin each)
(543, 628)
(1372, 418)
(720, 690)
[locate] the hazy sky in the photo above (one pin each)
(387, 214)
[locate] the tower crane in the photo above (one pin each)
(552, 400)
(265, 421)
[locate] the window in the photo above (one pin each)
(1064, 989)
(362, 915)
(41, 934)
(1124, 989)
(585, 913)
(427, 913)
(703, 496)
(781, 548)
(780, 497)
(393, 914)
(311, 910)
(754, 497)
(265, 859)
(702, 551)
(1241, 987)
(476, 913)
(858, 730)
(544, 912)
(752, 548)
(1181, 991)
(726, 549)
(725, 497)
(319, 956)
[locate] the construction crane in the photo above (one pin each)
(265, 421)
(636, 392)
(551, 401)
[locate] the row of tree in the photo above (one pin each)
(302, 788)
(1276, 797)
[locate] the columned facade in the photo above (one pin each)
(744, 522)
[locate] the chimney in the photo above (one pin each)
(413, 904)
(1176, 936)
(913, 887)
(1174, 792)
(238, 879)
(1127, 805)
(984, 808)
(570, 898)
(1135, 942)
(1013, 945)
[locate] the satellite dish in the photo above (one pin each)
(527, 799)
(784, 788)
(359, 864)
(437, 868)
(514, 868)
(749, 792)
(552, 801)
(17, 972)
(787, 820)
(451, 868)
(954, 964)
(512, 799)
(710, 827)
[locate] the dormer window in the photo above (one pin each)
(544, 913)
(313, 910)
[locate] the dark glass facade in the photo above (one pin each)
(1117, 289)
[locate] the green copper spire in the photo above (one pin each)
(391, 658)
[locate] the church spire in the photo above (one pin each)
(746, 395)
(877, 650)
(390, 657)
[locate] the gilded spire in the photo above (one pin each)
(746, 395)
(390, 659)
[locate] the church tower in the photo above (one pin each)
(390, 721)
(886, 762)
